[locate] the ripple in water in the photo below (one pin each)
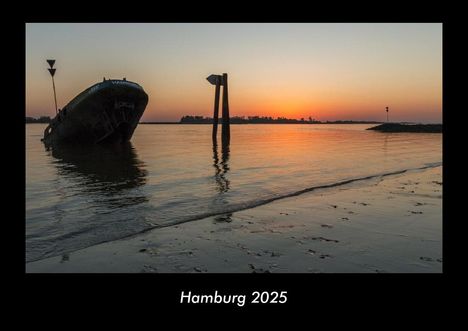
(78, 197)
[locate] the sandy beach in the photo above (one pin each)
(389, 224)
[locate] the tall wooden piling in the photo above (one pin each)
(226, 132)
(219, 80)
(216, 109)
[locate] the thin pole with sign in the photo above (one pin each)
(52, 73)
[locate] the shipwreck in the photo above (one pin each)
(107, 112)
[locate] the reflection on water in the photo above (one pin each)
(95, 195)
(222, 182)
(104, 170)
(221, 168)
(77, 197)
(385, 144)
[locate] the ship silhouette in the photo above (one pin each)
(107, 112)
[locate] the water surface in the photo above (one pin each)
(77, 197)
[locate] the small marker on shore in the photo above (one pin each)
(52, 73)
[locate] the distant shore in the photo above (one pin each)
(191, 119)
(400, 127)
(328, 122)
(382, 127)
(34, 121)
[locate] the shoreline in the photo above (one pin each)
(391, 224)
(413, 128)
(262, 123)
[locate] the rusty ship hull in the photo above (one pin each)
(107, 112)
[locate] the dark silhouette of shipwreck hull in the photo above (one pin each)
(107, 112)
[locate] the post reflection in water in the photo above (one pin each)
(222, 182)
(108, 172)
(385, 145)
(221, 168)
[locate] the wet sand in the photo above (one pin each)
(391, 224)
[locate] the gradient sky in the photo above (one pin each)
(326, 71)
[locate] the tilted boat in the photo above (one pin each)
(108, 111)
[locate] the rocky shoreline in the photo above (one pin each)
(399, 127)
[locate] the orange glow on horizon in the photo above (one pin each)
(325, 71)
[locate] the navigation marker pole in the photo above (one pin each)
(52, 73)
(386, 109)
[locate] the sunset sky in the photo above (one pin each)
(326, 71)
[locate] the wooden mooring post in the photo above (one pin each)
(215, 80)
(226, 134)
(219, 80)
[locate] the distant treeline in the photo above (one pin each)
(42, 119)
(189, 119)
